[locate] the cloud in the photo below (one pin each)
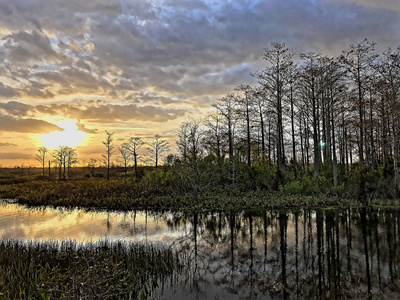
(7, 91)
(390, 5)
(107, 113)
(16, 108)
(181, 48)
(15, 155)
(2, 144)
(8, 123)
(23, 46)
(83, 128)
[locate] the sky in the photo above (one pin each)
(69, 70)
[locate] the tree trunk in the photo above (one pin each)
(136, 172)
(293, 138)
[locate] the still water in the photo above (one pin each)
(292, 254)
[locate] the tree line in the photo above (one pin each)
(317, 113)
(65, 157)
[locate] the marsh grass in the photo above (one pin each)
(71, 270)
(117, 194)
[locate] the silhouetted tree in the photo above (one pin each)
(41, 156)
(388, 67)
(194, 133)
(108, 142)
(357, 60)
(133, 145)
(157, 147)
(71, 158)
(125, 157)
(275, 79)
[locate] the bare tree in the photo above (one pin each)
(125, 157)
(389, 69)
(275, 79)
(157, 147)
(245, 110)
(71, 158)
(311, 91)
(60, 156)
(92, 165)
(357, 60)
(194, 150)
(213, 137)
(226, 108)
(132, 146)
(41, 156)
(260, 102)
(108, 142)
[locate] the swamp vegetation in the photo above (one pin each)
(71, 270)
(172, 186)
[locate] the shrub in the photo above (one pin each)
(292, 188)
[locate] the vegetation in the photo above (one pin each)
(171, 186)
(70, 270)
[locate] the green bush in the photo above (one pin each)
(265, 174)
(292, 188)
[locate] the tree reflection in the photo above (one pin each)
(310, 253)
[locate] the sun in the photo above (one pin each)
(70, 136)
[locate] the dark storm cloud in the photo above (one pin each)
(8, 123)
(186, 48)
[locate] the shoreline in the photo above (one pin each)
(124, 196)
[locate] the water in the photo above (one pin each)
(293, 254)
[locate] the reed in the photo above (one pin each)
(71, 270)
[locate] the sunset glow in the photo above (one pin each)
(70, 136)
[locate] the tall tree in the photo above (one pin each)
(158, 147)
(311, 90)
(226, 108)
(133, 145)
(60, 156)
(195, 134)
(388, 67)
(213, 135)
(260, 103)
(182, 141)
(109, 143)
(357, 60)
(71, 158)
(245, 109)
(41, 156)
(125, 157)
(275, 79)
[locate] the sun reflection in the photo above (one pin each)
(70, 136)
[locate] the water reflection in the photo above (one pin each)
(291, 255)
(297, 254)
(19, 222)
